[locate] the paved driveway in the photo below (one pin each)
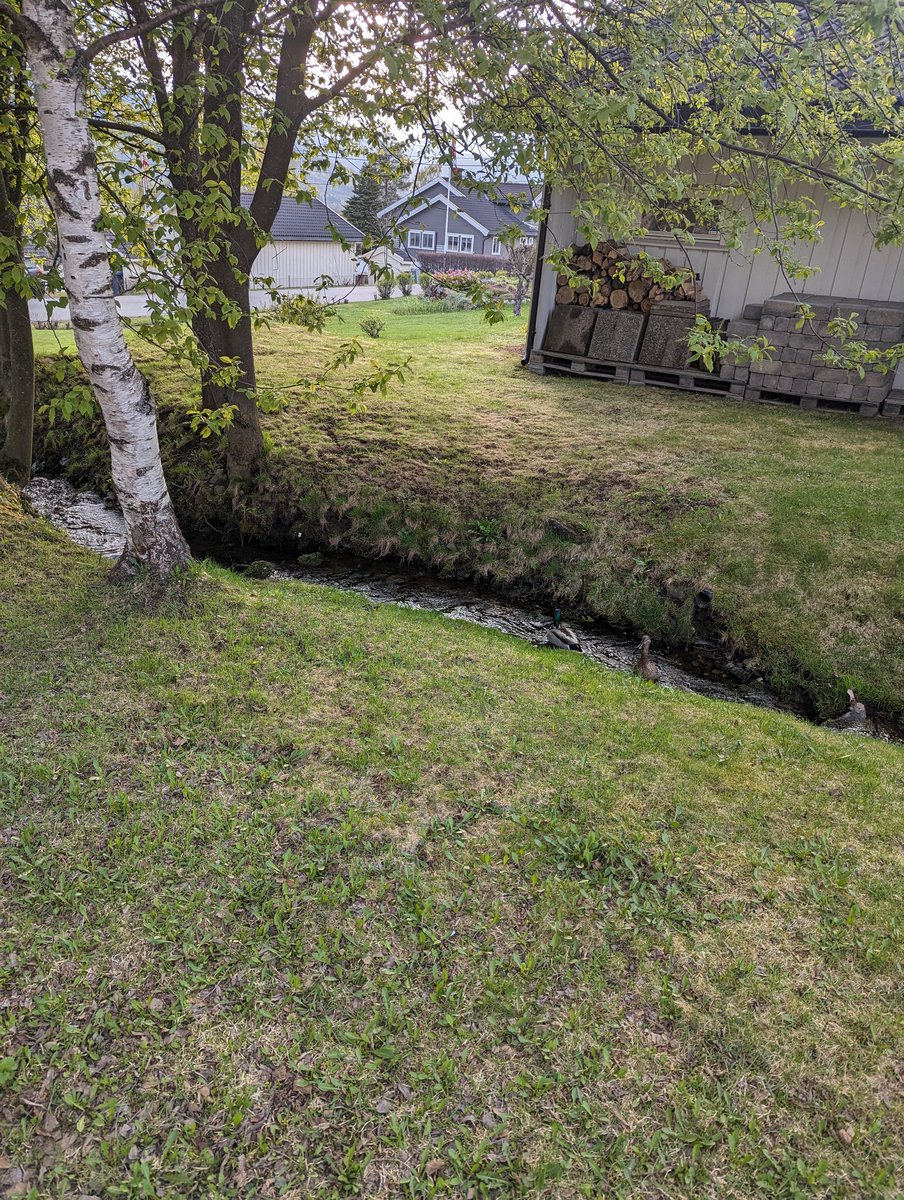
(134, 304)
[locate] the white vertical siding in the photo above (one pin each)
(299, 264)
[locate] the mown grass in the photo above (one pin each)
(619, 501)
(303, 896)
(53, 341)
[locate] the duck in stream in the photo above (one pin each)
(854, 720)
(645, 666)
(563, 637)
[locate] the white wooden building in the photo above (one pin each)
(304, 252)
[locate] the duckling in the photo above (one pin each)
(854, 720)
(563, 637)
(645, 666)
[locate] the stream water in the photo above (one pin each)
(704, 667)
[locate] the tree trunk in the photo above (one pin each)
(17, 387)
(17, 355)
(154, 539)
(219, 339)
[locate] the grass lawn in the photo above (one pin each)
(307, 897)
(52, 341)
(606, 497)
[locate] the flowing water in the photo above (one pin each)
(705, 667)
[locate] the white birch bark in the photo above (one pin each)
(154, 539)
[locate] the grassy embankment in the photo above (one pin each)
(594, 494)
(303, 896)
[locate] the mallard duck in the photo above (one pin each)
(563, 637)
(854, 720)
(645, 667)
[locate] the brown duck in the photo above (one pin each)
(645, 666)
(854, 720)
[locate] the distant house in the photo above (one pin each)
(450, 216)
(303, 251)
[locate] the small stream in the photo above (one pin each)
(705, 667)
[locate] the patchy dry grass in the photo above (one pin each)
(303, 896)
(593, 494)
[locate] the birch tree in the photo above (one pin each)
(58, 70)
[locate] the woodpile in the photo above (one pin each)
(613, 282)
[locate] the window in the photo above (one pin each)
(682, 221)
(421, 239)
(497, 246)
(463, 242)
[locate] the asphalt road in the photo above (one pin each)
(134, 305)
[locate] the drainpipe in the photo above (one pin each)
(535, 290)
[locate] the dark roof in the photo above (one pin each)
(308, 221)
(492, 211)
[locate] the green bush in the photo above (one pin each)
(372, 327)
(305, 311)
(405, 282)
(415, 306)
(385, 286)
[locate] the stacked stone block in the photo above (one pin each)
(794, 369)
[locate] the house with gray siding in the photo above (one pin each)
(451, 216)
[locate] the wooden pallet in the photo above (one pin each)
(574, 364)
(813, 403)
(684, 380)
(542, 361)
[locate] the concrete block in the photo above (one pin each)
(784, 383)
(569, 329)
(829, 374)
(892, 334)
(780, 306)
(753, 312)
(891, 314)
(875, 395)
(617, 335)
(844, 391)
(813, 387)
(767, 322)
(803, 357)
(665, 341)
(877, 379)
(739, 328)
(860, 392)
(809, 402)
(770, 366)
(808, 341)
(799, 370)
(893, 405)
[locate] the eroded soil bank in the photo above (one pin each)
(704, 666)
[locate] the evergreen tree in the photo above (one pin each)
(363, 206)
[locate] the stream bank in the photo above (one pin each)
(704, 667)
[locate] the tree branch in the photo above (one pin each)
(126, 127)
(143, 27)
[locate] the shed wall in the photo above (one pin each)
(850, 264)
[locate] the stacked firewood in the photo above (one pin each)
(612, 282)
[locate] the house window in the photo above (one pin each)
(463, 242)
(421, 239)
(497, 246)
